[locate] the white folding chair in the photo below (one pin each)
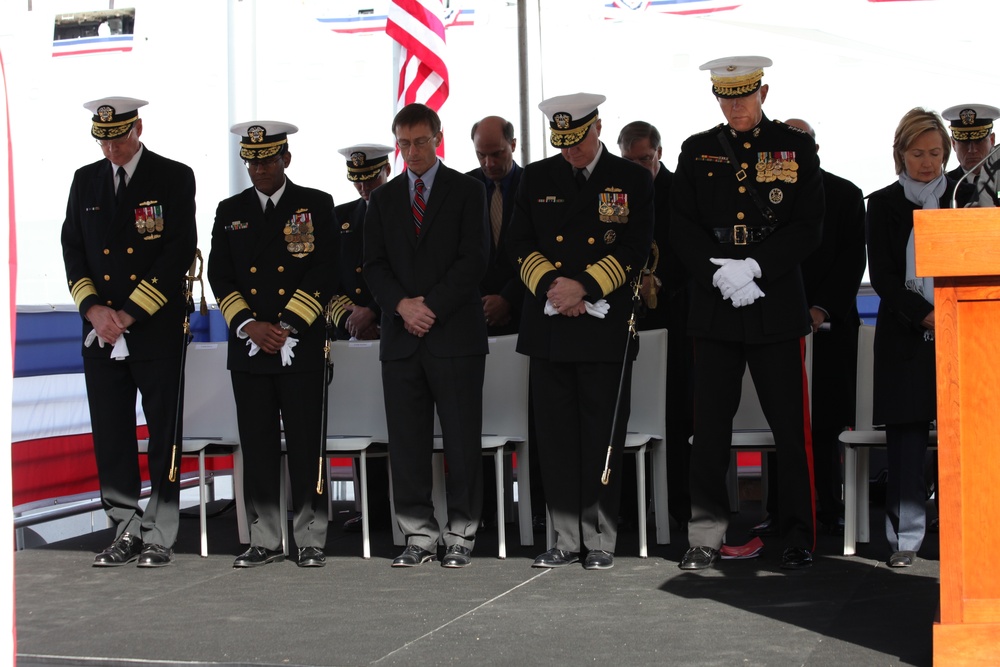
(857, 445)
(210, 427)
(505, 422)
(647, 431)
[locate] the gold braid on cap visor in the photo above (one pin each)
(737, 86)
(112, 130)
(367, 172)
(567, 138)
(260, 151)
(971, 134)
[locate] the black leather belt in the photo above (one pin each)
(741, 234)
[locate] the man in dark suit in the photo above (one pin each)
(426, 249)
(273, 269)
(665, 304)
(502, 291)
(581, 232)
(354, 312)
(832, 275)
(972, 138)
(746, 210)
(128, 240)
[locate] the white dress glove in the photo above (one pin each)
(598, 309)
(733, 274)
(746, 295)
(286, 351)
(118, 352)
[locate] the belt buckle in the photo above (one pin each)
(739, 234)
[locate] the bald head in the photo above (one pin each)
(804, 126)
(493, 139)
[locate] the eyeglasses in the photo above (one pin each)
(117, 141)
(265, 163)
(419, 143)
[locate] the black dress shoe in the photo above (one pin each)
(796, 558)
(699, 558)
(902, 559)
(413, 556)
(125, 549)
(155, 555)
(353, 525)
(599, 560)
(255, 556)
(765, 527)
(556, 558)
(457, 556)
(311, 557)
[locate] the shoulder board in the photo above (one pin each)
(790, 128)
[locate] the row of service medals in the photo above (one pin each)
(778, 166)
(299, 234)
(613, 206)
(149, 219)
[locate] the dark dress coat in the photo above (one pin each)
(905, 388)
(350, 220)
(501, 273)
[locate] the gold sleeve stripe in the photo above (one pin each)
(83, 288)
(305, 306)
(148, 297)
(608, 273)
(338, 308)
(533, 268)
(231, 305)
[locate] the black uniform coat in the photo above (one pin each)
(706, 195)
(110, 261)
(350, 219)
(501, 272)
(905, 388)
(671, 300)
(255, 274)
(966, 190)
(832, 275)
(557, 231)
(444, 264)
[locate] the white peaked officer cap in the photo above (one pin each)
(260, 139)
(570, 117)
(365, 161)
(736, 76)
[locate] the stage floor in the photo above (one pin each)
(201, 611)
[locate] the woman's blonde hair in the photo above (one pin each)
(914, 123)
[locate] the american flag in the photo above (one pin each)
(416, 26)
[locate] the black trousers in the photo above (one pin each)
(265, 403)
(574, 410)
(111, 393)
(413, 387)
(778, 372)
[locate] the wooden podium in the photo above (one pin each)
(960, 249)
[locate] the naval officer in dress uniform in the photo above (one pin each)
(746, 209)
(581, 232)
(273, 269)
(128, 240)
(972, 138)
(355, 312)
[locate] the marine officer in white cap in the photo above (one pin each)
(746, 209)
(973, 138)
(128, 239)
(581, 232)
(273, 269)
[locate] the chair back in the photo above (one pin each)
(505, 389)
(866, 378)
(209, 406)
(648, 414)
(355, 401)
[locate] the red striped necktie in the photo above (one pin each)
(419, 205)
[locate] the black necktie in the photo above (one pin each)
(581, 178)
(120, 192)
(269, 209)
